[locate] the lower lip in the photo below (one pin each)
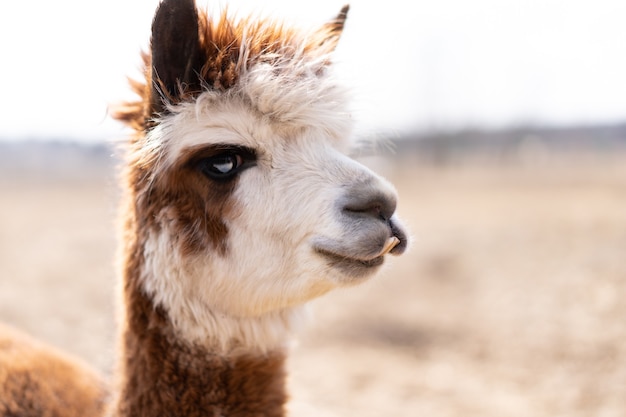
(352, 267)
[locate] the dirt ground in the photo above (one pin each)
(510, 301)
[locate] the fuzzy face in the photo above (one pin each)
(245, 203)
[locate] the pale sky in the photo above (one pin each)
(442, 64)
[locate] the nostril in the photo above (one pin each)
(372, 211)
(375, 205)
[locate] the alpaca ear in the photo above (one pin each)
(331, 31)
(176, 53)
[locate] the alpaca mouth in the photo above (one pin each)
(353, 267)
(353, 264)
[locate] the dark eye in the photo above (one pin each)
(225, 165)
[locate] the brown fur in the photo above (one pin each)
(194, 208)
(38, 381)
(219, 51)
(162, 375)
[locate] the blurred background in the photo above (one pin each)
(502, 125)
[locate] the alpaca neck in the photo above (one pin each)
(163, 375)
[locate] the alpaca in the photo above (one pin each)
(37, 380)
(240, 206)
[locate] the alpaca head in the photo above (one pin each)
(245, 203)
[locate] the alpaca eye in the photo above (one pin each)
(227, 164)
(222, 165)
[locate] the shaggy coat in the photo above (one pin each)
(160, 373)
(39, 381)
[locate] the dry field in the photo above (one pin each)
(511, 301)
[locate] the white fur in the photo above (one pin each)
(173, 284)
(253, 296)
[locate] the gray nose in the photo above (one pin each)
(363, 201)
(371, 206)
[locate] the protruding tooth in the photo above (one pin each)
(391, 243)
